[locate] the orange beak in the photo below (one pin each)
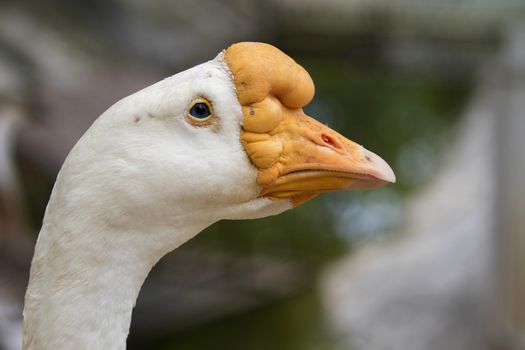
(314, 158)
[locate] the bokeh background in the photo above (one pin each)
(437, 88)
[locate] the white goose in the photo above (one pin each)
(226, 139)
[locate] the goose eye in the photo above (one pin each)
(200, 110)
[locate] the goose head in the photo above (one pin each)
(227, 139)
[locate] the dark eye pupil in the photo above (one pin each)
(200, 110)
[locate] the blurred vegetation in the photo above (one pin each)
(293, 324)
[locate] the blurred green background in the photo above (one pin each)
(396, 76)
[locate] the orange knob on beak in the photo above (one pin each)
(312, 158)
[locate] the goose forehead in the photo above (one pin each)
(172, 95)
(211, 80)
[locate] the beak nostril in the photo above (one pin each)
(330, 141)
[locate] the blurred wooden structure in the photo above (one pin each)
(510, 232)
(16, 246)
